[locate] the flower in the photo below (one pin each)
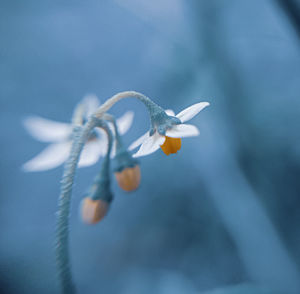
(59, 135)
(129, 178)
(93, 210)
(167, 131)
(126, 169)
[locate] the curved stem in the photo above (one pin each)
(102, 124)
(62, 232)
(62, 226)
(151, 106)
(81, 134)
(118, 138)
(101, 186)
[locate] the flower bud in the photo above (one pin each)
(92, 211)
(127, 170)
(129, 178)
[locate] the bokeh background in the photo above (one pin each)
(221, 216)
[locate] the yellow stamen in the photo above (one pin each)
(129, 178)
(171, 145)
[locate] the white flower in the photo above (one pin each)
(59, 135)
(170, 142)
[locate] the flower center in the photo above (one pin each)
(171, 145)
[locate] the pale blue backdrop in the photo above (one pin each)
(224, 211)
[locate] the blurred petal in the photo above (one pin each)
(170, 112)
(51, 157)
(101, 134)
(47, 130)
(139, 141)
(191, 111)
(92, 151)
(102, 139)
(125, 122)
(183, 130)
(150, 145)
(91, 103)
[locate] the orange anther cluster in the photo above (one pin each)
(171, 145)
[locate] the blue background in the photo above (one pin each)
(224, 211)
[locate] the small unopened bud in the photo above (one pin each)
(92, 211)
(129, 178)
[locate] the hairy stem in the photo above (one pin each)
(62, 231)
(101, 186)
(81, 134)
(151, 106)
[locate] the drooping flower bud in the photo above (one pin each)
(127, 170)
(129, 178)
(95, 206)
(92, 211)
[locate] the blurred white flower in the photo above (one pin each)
(59, 135)
(171, 141)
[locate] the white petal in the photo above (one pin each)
(170, 112)
(103, 141)
(47, 130)
(150, 145)
(52, 156)
(91, 103)
(183, 130)
(124, 122)
(92, 151)
(101, 134)
(139, 141)
(191, 111)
